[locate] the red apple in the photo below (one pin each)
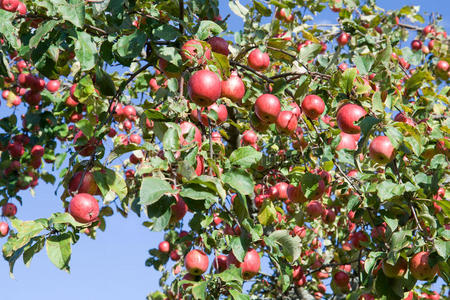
(22, 9)
(314, 209)
(249, 137)
(37, 151)
(295, 194)
(204, 88)
(313, 106)
(381, 150)
(250, 266)
(84, 208)
(219, 45)
(442, 66)
(185, 128)
(286, 122)
(222, 114)
(179, 209)
(220, 263)
(9, 5)
(233, 88)
(135, 138)
(196, 262)
(343, 39)
(347, 115)
(328, 216)
(16, 149)
(164, 247)
(281, 188)
(397, 270)
(87, 148)
(416, 45)
(347, 142)
(88, 186)
(194, 52)
(9, 210)
(341, 279)
(129, 112)
(428, 29)
(359, 237)
(53, 86)
(420, 268)
(267, 108)
(258, 60)
(4, 229)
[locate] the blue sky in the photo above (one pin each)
(112, 266)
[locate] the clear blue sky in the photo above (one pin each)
(112, 266)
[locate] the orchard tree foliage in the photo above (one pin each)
(291, 160)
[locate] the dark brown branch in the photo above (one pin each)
(235, 63)
(181, 4)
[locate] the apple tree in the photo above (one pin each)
(291, 160)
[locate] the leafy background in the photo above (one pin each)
(112, 267)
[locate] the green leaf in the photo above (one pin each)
(238, 9)
(122, 149)
(4, 65)
(394, 135)
(363, 63)
(240, 246)
(267, 213)
(208, 28)
(231, 274)
(108, 180)
(74, 11)
(199, 290)
(59, 250)
(388, 189)
(239, 180)
(309, 52)
(392, 223)
(86, 127)
(353, 203)
(130, 46)
(42, 31)
(348, 79)
(383, 56)
(104, 82)
(416, 81)
(7, 29)
(290, 246)
(62, 218)
(245, 157)
(171, 141)
(166, 32)
(399, 240)
(237, 295)
(443, 248)
(152, 189)
(85, 51)
(34, 249)
(240, 207)
(438, 162)
(171, 54)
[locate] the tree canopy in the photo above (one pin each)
(287, 160)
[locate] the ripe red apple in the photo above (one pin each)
(222, 114)
(4, 229)
(267, 107)
(249, 137)
(378, 233)
(194, 52)
(295, 194)
(347, 142)
(281, 188)
(175, 256)
(286, 122)
(381, 150)
(9, 5)
(164, 247)
(328, 216)
(71, 102)
(250, 266)
(431, 45)
(129, 112)
(442, 66)
(85, 149)
(314, 209)
(420, 268)
(179, 209)
(313, 106)
(416, 45)
(258, 60)
(347, 115)
(88, 186)
(84, 208)
(397, 270)
(343, 39)
(154, 86)
(185, 128)
(359, 237)
(22, 9)
(428, 29)
(37, 151)
(295, 109)
(53, 86)
(204, 88)
(219, 45)
(9, 210)
(220, 263)
(32, 98)
(400, 117)
(135, 138)
(196, 262)
(16, 149)
(341, 278)
(233, 88)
